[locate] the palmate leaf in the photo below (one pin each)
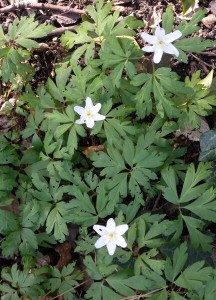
(192, 187)
(187, 28)
(197, 102)
(196, 236)
(23, 281)
(115, 129)
(174, 267)
(149, 231)
(8, 221)
(24, 30)
(116, 53)
(80, 209)
(95, 31)
(125, 285)
(64, 281)
(146, 261)
(204, 205)
(65, 129)
(164, 85)
(98, 291)
(194, 276)
(142, 163)
(56, 221)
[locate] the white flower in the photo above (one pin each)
(161, 42)
(111, 236)
(89, 114)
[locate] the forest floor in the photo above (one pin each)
(149, 11)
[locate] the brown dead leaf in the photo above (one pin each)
(46, 260)
(194, 135)
(13, 207)
(209, 20)
(64, 251)
(90, 149)
(66, 18)
(154, 19)
(212, 6)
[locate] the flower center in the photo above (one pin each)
(88, 114)
(160, 42)
(111, 235)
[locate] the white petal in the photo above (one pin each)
(89, 104)
(99, 117)
(121, 229)
(169, 38)
(101, 230)
(151, 39)
(95, 109)
(90, 122)
(102, 241)
(80, 121)
(111, 247)
(111, 225)
(170, 49)
(79, 109)
(120, 241)
(159, 32)
(149, 48)
(158, 55)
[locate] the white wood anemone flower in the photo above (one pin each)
(111, 236)
(161, 42)
(89, 114)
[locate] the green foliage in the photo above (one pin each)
(96, 29)
(197, 197)
(187, 4)
(17, 44)
(59, 178)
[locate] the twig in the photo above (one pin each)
(201, 61)
(73, 288)
(42, 6)
(137, 297)
(208, 53)
(61, 30)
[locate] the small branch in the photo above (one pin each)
(42, 6)
(208, 53)
(137, 297)
(201, 61)
(61, 30)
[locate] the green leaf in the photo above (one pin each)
(194, 277)
(196, 236)
(8, 221)
(92, 268)
(187, 4)
(190, 190)
(173, 269)
(170, 192)
(162, 295)
(28, 236)
(146, 261)
(168, 19)
(195, 44)
(56, 221)
(126, 286)
(187, 28)
(175, 296)
(24, 30)
(204, 206)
